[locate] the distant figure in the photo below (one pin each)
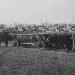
(15, 43)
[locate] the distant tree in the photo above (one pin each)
(2, 26)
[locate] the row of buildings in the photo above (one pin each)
(39, 28)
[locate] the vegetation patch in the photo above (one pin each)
(21, 61)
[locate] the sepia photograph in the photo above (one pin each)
(37, 37)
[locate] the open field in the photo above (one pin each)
(23, 61)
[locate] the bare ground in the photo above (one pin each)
(23, 61)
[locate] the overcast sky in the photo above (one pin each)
(33, 11)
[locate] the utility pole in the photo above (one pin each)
(41, 22)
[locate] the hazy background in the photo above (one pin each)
(33, 11)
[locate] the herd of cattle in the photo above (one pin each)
(48, 41)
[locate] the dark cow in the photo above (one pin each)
(58, 41)
(66, 41)
(5, 37)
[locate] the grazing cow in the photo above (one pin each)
(58, 41)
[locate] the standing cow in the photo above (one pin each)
(58, 41)
(5, 37)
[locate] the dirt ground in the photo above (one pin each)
(28, 61)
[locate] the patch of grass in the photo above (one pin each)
(21, 61)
